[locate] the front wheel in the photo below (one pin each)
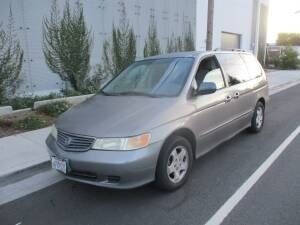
(174, 163)
(258, 118)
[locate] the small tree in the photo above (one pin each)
(11, 59)
(189, 44)
(67, 45)
(286, 39)
(174, 44)
(289, 59)
(120, 52)
(179, 45)
(152, 45)
(171, 44)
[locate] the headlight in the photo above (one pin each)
(54, 132)
(130, 143)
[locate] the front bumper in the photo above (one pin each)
(113, 169)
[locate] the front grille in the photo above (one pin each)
(73, 142)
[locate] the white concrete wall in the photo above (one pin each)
(233, 16)
(172, 16)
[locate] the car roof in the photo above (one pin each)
(192, 54)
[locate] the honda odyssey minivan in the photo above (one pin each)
(153, 120)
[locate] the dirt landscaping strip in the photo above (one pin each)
(27, 121)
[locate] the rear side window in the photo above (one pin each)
(252, 65)
(234, 67)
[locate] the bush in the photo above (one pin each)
(11, 60)
(70, 92)
(27, 102)
(152, 45)
(289, 59)
(67, 44)
(54, 109)
(120, 51)
(31, 123)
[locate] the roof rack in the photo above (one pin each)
(238, 50)
(233, 50)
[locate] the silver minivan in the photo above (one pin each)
(156, 117)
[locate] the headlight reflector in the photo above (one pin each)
(54, 132)
(130, 143)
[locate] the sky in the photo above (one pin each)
(283, 18)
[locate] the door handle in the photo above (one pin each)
(236, 95)
(228, 99)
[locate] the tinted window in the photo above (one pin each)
(234, 67)
(209, 71)
(252, 65)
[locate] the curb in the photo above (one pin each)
(23, 172)
(282, 87)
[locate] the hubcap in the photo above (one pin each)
(178, 163)
(259, 117)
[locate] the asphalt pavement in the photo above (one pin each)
(274, 199)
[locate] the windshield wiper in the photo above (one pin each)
(108, 94)
(134, 93)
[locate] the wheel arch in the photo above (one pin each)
(262, 100)
(186, 133)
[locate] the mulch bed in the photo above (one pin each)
(9, 124)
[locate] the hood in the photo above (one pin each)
(115, 116)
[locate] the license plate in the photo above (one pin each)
(59, 165)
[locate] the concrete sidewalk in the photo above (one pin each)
(23, 151)
(282, 79)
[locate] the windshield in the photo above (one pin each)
(157, 77)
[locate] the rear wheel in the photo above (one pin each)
(174, 163)
(258, 118)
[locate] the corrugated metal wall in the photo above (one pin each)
(172, 16)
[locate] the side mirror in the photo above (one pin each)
(206, 88)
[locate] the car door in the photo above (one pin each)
(240, 88)
(212, 111)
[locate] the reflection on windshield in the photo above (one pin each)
(153, 78)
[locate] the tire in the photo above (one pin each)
(258, 118)
(175, 155)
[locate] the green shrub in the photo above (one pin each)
(28, 101)
(31, 123)
(289, 59)
(11, 59)
(70, 92)
(67, 44)
(54, 109)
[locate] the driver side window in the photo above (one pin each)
(209, 71)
